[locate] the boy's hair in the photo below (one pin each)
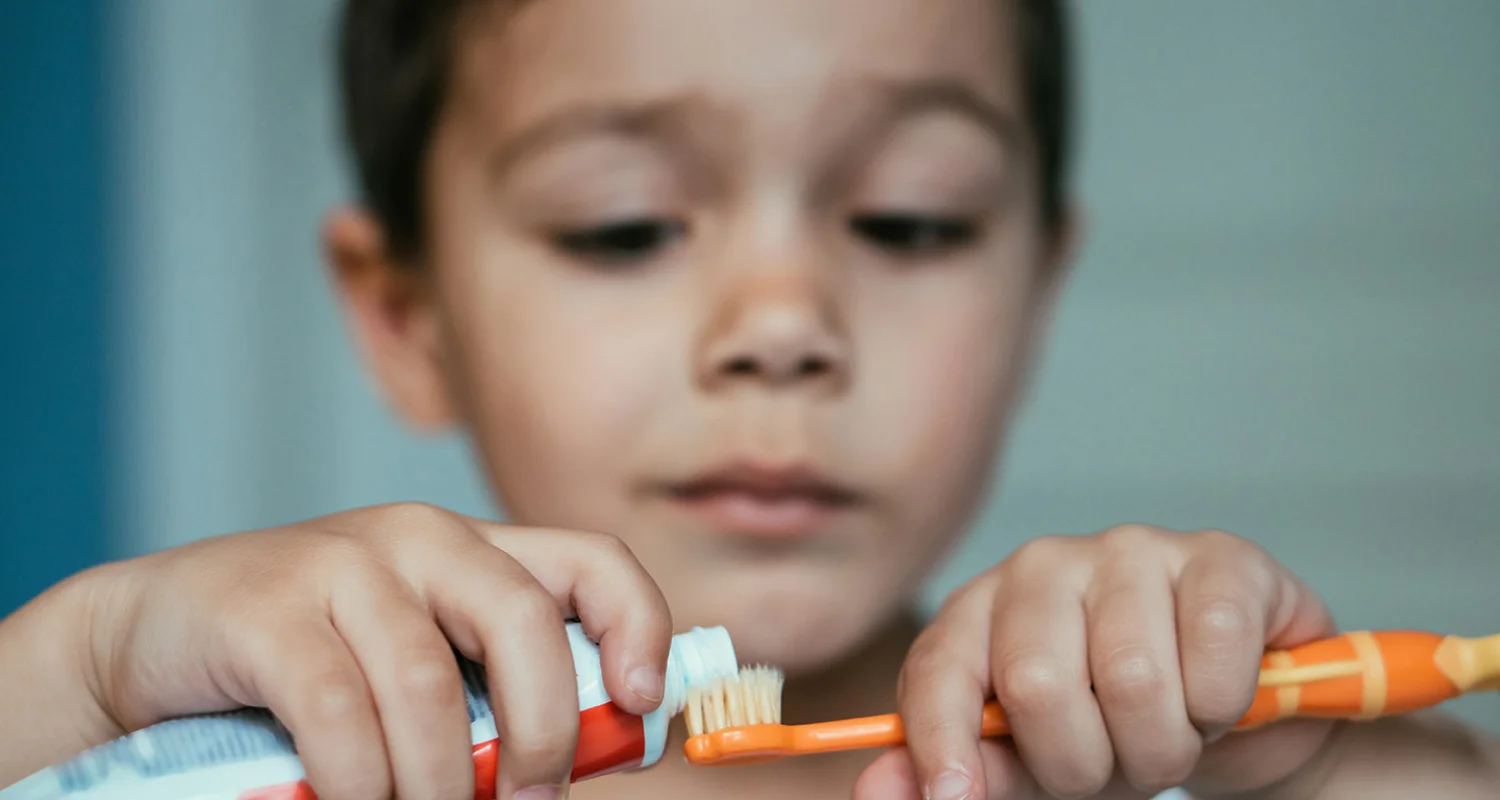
(394, 61)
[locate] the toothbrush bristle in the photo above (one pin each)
(751, 698)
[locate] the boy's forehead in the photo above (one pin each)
(551, 65)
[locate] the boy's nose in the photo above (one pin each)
(779, 331)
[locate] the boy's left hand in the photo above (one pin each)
(1121, 660)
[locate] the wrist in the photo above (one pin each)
(103, 604)
(51, 704)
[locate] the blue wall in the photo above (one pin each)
(52, 278)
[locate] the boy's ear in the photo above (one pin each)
(391, 310)
(1062, 250)
(1057, 265)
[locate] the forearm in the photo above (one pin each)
(48, 701)
(1419, 755)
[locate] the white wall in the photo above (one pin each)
(1286, 322)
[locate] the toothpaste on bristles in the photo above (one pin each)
(753, 697)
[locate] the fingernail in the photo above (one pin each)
(646, 682)
(539, 793)
(951, 785)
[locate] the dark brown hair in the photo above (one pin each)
(394, 74)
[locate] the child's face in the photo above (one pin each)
(751, 284)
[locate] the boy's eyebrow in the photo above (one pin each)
(631, 120)
(909, 98)
(897, 99)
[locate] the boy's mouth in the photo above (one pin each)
(763, 501)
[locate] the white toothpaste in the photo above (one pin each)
(248, 755)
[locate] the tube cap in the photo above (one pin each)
(698, 657)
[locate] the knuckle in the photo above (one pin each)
(1222, 620)
(926, 658)
(960, 598)
(914, 671)
(1238, 550)
(1130, 538)
(528, 603)
(341, 554)
(1216, 537)
(430, 680)
(924, 663)
(405, 518)
(1221, 628)
(335, 700)
(1132, 677)
(1039, 551)
(1033, 683)
(606, 546)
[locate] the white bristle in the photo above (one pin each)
(751, 698)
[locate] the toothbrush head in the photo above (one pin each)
(738, 719)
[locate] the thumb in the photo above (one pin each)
(892, 776)
(1005, 777)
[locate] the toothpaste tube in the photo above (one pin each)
(248, 755)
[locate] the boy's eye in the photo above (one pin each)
(913, 234)
(621, 242)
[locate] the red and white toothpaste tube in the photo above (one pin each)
(248, 755)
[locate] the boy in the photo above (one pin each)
(753, 286)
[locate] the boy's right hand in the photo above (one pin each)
(342, 627)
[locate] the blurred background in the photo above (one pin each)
(1286, 321)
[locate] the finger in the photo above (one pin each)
(893, 777)
(1041, 676)
(1297, 614)
(1009, 778)
(941, 697)
(1223, 600)
(1134, 661)
(1231, 602)
(1005, 777)
(889, 777)
(413, 675)
(617, 601)
(304, 673)
(496, 613)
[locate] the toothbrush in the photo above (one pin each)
(1360, 676)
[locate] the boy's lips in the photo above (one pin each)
(763, 501)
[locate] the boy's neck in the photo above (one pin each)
(857, 686)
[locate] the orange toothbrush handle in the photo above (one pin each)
(993, 723)
(884, 730)
(1360, 675)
